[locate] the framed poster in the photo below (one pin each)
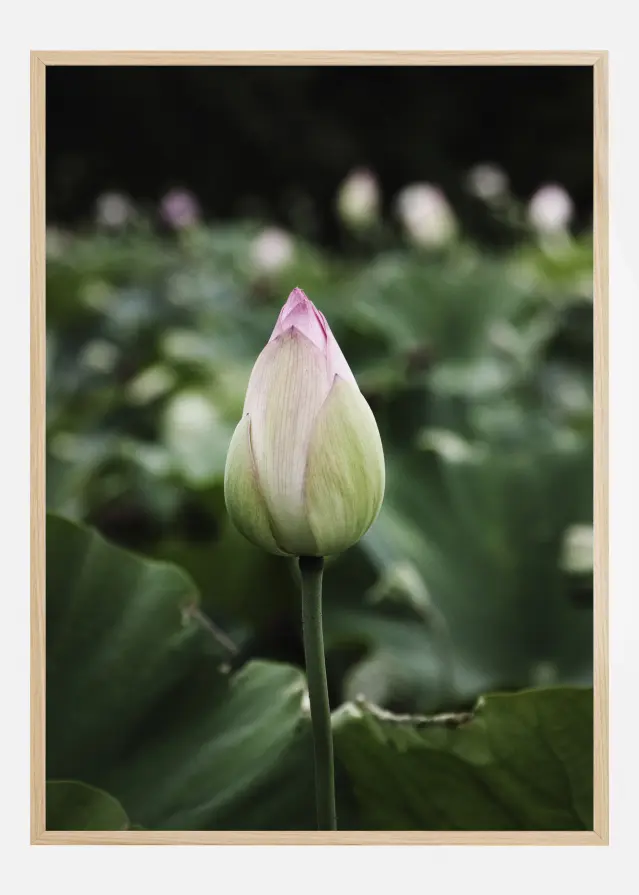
(339, 308)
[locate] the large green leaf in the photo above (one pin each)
(520, 762)
(137, 701)
(206, 762)
(472, 544)
(76, 806)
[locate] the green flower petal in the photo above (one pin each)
(242, 495)
(345, 475)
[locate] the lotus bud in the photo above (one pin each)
(488, 182)
(305, 468)
(180, 209)
(426, 215)
(550, 210)
(358, 199)
(114, 210)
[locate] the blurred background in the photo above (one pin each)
(441, 218)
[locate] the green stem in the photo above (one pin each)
(311, 568)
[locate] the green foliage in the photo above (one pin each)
(521, 762)
(137, 700)
(76, 806)
(176, 686)
(139, 705)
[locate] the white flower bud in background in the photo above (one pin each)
(550, 210)
(305, 468)
(99, 355)
(358, 199)
(57, 242)
(180, 209)
(544, 674)
(487, 182)
(426, 215)
(113, 210)
(272, 251)
(150, 384)
(577, 550)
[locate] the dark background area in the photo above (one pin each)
(276, 142)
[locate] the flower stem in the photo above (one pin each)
(311, 568)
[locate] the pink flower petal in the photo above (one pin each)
(300, 312)
(337, 363)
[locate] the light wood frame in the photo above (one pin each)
(598, 61)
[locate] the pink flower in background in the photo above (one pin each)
(550, 210)
(180, 209)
